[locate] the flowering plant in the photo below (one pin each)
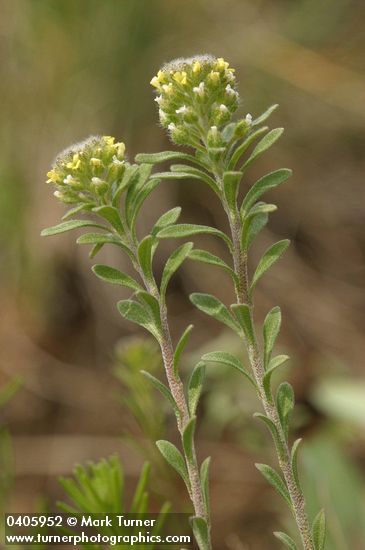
(197, 98)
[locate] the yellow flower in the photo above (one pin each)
(214, 77)
(95, 162)
(197, 67)
(155, 82)
(53, 177)
(75, 163)
(120, 148)
(221, 64)
(180, 77)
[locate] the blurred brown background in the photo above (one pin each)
(70, 69)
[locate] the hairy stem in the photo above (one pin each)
(177, 390)
(269, 406)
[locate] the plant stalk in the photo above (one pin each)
(269, 406)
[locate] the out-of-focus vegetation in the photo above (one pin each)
(70, 69)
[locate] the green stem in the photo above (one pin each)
(177, 391)
(269, 406)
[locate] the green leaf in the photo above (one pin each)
(242, 148)
(230, 360)
(188, 439)
(271, 330)
(145, 257)
(274, 433)
(173, 456)
(68, 226)
(153, 306)
(77, 209)
(140, 489)
(273, 365)
(114, 276)
(263, 145)
(285, 404)
(231, 181)
(285, 539)
(319, 530)
(95, 249)
(187, 229)
(136, 313)
(162, 389)
(215, 308)
(168, 218)
(264, 115)
(208, 258)
(261, 186)
(201, 532)
(195, 387)
(102, 238)
(164, 156)
(204, 479)
(181, 346)
(261, 208)
(251, 227)
(190, 172)
(136, 202)
(275, 480)
(271, 256)
(243, 316)
(130, 176)
(172, 265)
(294, 460)
(110, 214)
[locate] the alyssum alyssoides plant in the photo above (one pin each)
(197, 98)
(100, 184)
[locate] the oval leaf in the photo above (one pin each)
(229, 360)
(187, 229)
(188, 439)
(195, 387)
(173, 264)
(215, 308)
(114, 276)
(275, 480)
(181, 346)
(285, 539)
(271, 330)
(68, 226)
(261, 186)
(319, 530)
(285, 404)
(271, 256)
(173, 456)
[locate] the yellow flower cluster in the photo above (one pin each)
(88, 172)
(195, 95)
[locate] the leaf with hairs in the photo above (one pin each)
(201, 532)
(251, 227)
(208, 258)
(215, 308)
(271, 330)
(114, 276)
(260, 119)
(195, 173)
(231, 182)
(273, 365)
(145, 257)
(173, 456)
(136, 313)
(164, 156)
(204, 478)
(263, 145)
(188, 229)
(188, 439)
(181, 346)
(294, 460)
(285, 539)
(173, 264)
(319, 530)
(243, 315)
(112, 215)
(69, 226)
(275, 480)
(168, 218)
(162, 389)
(242, 148)
(261, 186)
(230, 360)
(274, 433)
(195, 387)
(285, 404)
(270, 256)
